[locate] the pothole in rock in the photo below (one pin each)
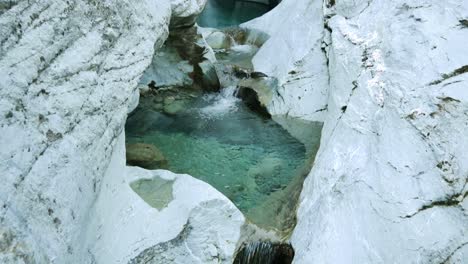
(156, 192)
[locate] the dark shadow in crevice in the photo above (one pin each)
(251, 100)
(265, 252)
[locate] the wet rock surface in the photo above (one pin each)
(251, 99)
(146, 156)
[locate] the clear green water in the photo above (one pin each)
(255, 162)
(226, 13)
(252, 160)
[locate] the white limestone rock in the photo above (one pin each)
(218, 40)
(185, 12)
(185, 8)
(167, 69)
(293, 55)
(67, 70)
(389, 183)
(68, 77)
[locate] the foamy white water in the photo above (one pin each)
(244, 48)
(222, 103)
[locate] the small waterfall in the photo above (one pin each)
(243, 48)
(263, 252)
(220, 103)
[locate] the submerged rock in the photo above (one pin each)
(139, 122)
(266, 168)
(174, 107)
(145, 155)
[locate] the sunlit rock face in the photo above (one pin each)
(389, 184)
(67, 72)
(68, 77)
(293, 56)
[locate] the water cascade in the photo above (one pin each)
(262, 252)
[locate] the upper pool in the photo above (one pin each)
(225, 13)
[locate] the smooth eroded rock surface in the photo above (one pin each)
(68, 77)
(389, 184)
(67, 73)
(293, 55)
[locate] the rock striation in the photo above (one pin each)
(389, 184)
(68, 77)
(67, 72)
(387, 78)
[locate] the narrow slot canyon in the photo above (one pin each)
(233, 131)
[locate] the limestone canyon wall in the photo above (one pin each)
(68, 77)
(389, 184)
(387, 78)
